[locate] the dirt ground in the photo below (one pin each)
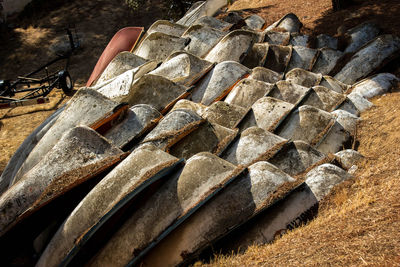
(29, 44)
(357, 225)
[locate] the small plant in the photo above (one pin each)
(134, 4)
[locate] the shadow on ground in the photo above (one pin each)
(30, 41)
(385, 13)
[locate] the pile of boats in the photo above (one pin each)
(210, 133)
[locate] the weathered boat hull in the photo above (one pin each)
(238, 202)
(295, 209)
(202, 39)
(79, 155)
(183, 68)
(124, 40)
(142, 168)
(181, 195)
(370, 58)
(86, 107)
(122, 62)
(219, 82)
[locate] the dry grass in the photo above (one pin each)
(359, 222)
(17, 123)
(309, 12)
(318, 17)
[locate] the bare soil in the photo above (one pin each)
(27, 46)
